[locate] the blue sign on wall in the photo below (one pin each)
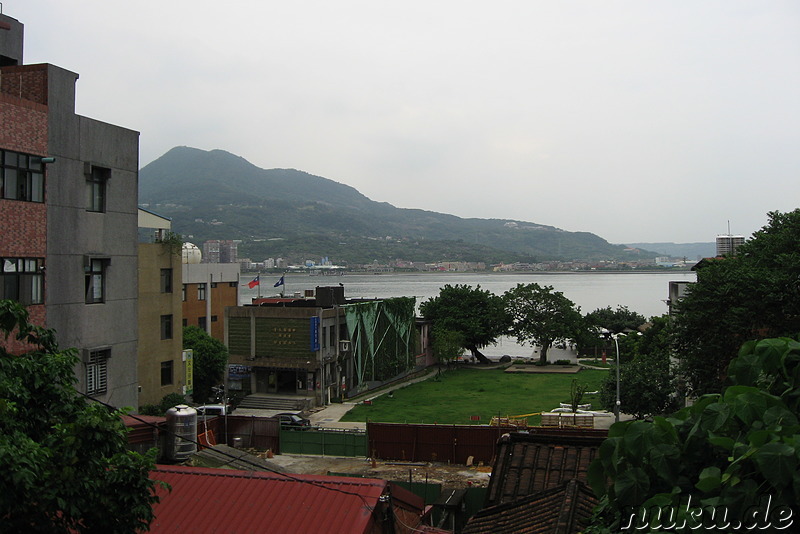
(314, 334)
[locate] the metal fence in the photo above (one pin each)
(324, 442)
(433, 443)
(261, 433)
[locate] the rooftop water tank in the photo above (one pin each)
(181, 433)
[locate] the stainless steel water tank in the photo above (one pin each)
(182, 432)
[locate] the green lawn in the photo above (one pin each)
(462, 393)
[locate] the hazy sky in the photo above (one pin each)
(635, 120)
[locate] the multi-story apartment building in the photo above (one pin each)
(161, 366)
(727, 244)
(68, 219)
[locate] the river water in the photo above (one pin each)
(642, 292)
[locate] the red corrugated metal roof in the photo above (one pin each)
(205, 500)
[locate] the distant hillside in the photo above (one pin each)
(293, 214)
(691, 251)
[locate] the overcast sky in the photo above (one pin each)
(640, 121)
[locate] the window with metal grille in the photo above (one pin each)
(97, 372)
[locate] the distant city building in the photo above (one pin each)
(727, 244)
(68, 206)
(217, 251)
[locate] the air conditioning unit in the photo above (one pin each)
(344, 345)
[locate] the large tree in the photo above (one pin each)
(616, 320)
(729, 458)
(753, 294)
(541, 315)
(476, 314)
(210, 359)
(646, 376)
(64, 459)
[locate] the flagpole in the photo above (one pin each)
(259, 283)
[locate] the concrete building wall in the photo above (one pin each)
(153, 304)
(76, 235)
(37, 116)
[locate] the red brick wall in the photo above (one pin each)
(23, 128)
(23, 229)
(28, 82)
(23, 125)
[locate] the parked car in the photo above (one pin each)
(294, 421)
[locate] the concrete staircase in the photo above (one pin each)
(272, 402)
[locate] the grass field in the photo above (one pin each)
(463, 393)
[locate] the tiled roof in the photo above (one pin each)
(530, 462)
(560, 510)
(205, 500)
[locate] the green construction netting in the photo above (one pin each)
(381, 337)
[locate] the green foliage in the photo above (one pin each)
(65, 463)
(169, 400)
(173, 242)
(210, 359)
(576, 393)
(752, 295)
(647, 384)
(542, 316)
(728, 450)
(616, 321)
(478, 315)
(446, 345)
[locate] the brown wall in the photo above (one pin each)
(221, 296)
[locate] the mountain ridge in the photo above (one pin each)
(218, 195)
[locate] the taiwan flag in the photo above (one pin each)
(279, 282)
(253, 283)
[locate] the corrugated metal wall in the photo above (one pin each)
(433, 443)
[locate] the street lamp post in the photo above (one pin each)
(607, 334)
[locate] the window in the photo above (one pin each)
(95, 280)
(213, 318)
(21, 176)
(166, 280)
(201, 322)
(213, 285)
(21, 279)
(183, 294)
(166, 373)
(332, 339)
(96, 189)
(233, 284)
(97, 372)
(185, 322)
(166, 326)
(324, 336)
(201, 292)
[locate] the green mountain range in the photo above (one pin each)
(295, 215)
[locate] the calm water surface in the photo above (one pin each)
(644, 293)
